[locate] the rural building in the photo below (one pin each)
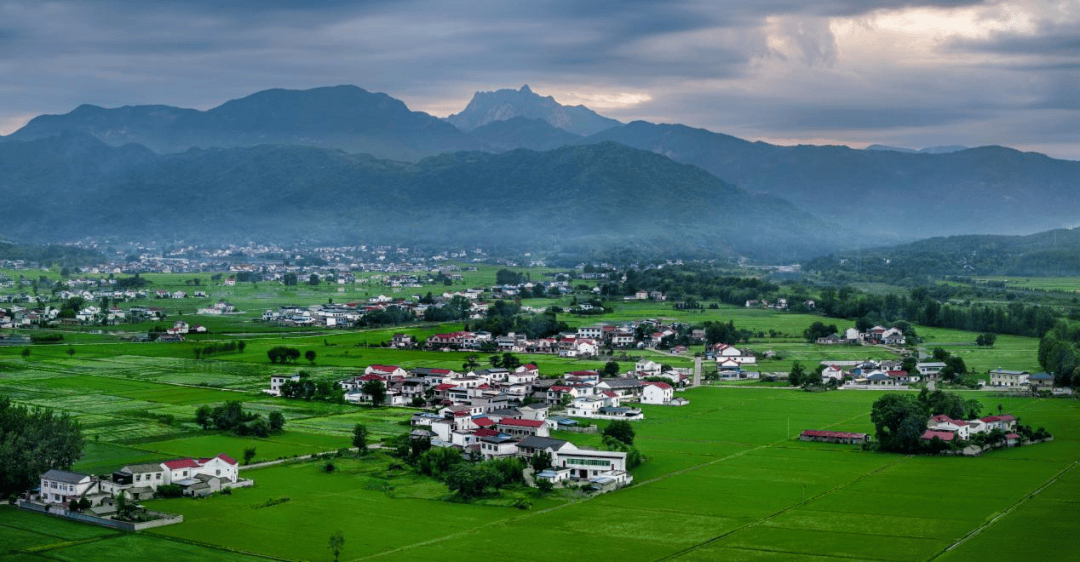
(1001, 377)
(834, 437)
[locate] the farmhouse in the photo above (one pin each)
(62, 486)
(1001, 377)
(656, 393)
(834, 437)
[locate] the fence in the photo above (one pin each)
(162, 520)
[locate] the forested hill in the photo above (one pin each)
(990, 189)
(1053, 253)
(579, 198)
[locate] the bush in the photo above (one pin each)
(169, 491)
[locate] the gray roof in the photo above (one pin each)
(623, 383)
(534, 442)
(143, 467)
(498, 439)
(65, 476)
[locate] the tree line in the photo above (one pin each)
(33, 441)
(231, 416)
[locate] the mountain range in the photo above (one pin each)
(870, 197)
(575, 198)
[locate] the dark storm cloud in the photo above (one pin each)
(200, 53)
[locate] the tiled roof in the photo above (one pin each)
(180, 463)
(834, 434)
(517, 422)
(943, 435)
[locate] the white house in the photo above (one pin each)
(656, 393)
(62, 486)
(1001, 377)
(648, 367)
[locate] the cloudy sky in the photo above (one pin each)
(905, 73)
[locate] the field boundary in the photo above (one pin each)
(1008, 511)
(761, 520)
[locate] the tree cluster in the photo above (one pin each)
(205, 351)
(33, 441)
(307, 389)
(282, 354)
(1059, 353)
(900, 419)
(231, 416)
(954, 365)
(819, 330)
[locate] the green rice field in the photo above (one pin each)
(724, 480)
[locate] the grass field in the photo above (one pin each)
(724, 478)
(723, 481)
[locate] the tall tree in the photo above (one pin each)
(360, 438)
(376, 390)
(336, 544)
(899, 420)
(33, 442)
(620, 430)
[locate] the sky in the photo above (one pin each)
(855, 72)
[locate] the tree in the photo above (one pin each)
(910, 364)
(33, 441)
(510, 361)
(282, 354)
(249, 455)
(900, 420)
(611, 369)
(376, 390)
(940, 354)
(70, 351)
(25, 353)
(796, 375)
(240, 345)
(310, 356)
(540, 460)
(470, 362)
(507, 277)
(336, 544)
(986, 339)
(313, 279)
(544, 485)
(204, 416)
(620, 430)
(819, 330)
(277, 421)
(359, 438)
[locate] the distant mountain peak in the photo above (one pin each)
(502, 105)
(345, 117)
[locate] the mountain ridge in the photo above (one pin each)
(603, 195)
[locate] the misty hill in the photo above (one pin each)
(520, 132)
(980, 190)
(501, 105)
(928, 150)
(344, 117)
(1052, 253)
(578, 198)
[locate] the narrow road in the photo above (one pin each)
(301, 458)
(697, 371)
